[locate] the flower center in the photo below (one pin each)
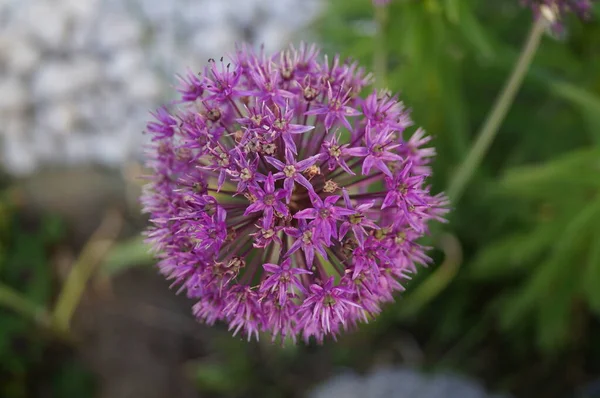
(307, 237)
(356, 218)
(403, 188)
(310, 93)
(335, 151)
(324, 213)
(287, 73)
(289, 171)
(279, 124)
(328, 300)
(246, 174)
(256, 120)
(269, 199)
(400, 238)
(269, 149)
(336, 104)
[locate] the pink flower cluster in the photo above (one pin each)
(284, 201)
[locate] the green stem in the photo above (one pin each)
(439, 280)
(497, 114)
(380, 56)
(92, 254)
(15, 301)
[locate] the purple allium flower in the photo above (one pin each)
(281, 200)
(557, 8)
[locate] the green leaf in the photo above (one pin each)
(453, 8)
(587, 102)
(215, 377)
(53, 228)
(130, 253)
(475, 33)
(591, 275)
(514, 252)
(554, 311)
(550, 275)
(453, 107)
(575, 170)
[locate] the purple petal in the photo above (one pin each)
(221, 180)
(289, 157)
(360, 237)
(299, 128)
(281, 194)
(289, 143)
(333, 228)
(340, 211)
(306, 163)
(317, 111)
(345, 122)
(391, 156)
(344, 230)
(321, 251)
(315, 200)
(268, 215)
(306, 213)
(280, 207)
(389, 200)
(288, 184)
(278, 176)
(304, 182)
(270, 184)
(346, 198)
(295, 246)
(271, 267)
(329, 120)
(278, 164)
(358, 151)
(383, 167)
(325, 231)
(367, 164)
(344, 166)
(309, 253)
(349, 111)
(254, 207)
(330, 200)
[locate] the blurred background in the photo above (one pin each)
(510, 307)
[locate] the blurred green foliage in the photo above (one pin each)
(25, 351)
(532, 212)
(529, 224)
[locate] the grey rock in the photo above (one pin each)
(20, 54)
(14, 94)
(84, 74)
(399, 383)
(61, 78)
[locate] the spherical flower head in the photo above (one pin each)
(281, 200)
(554, 10)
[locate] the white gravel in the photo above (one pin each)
(78, 77)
